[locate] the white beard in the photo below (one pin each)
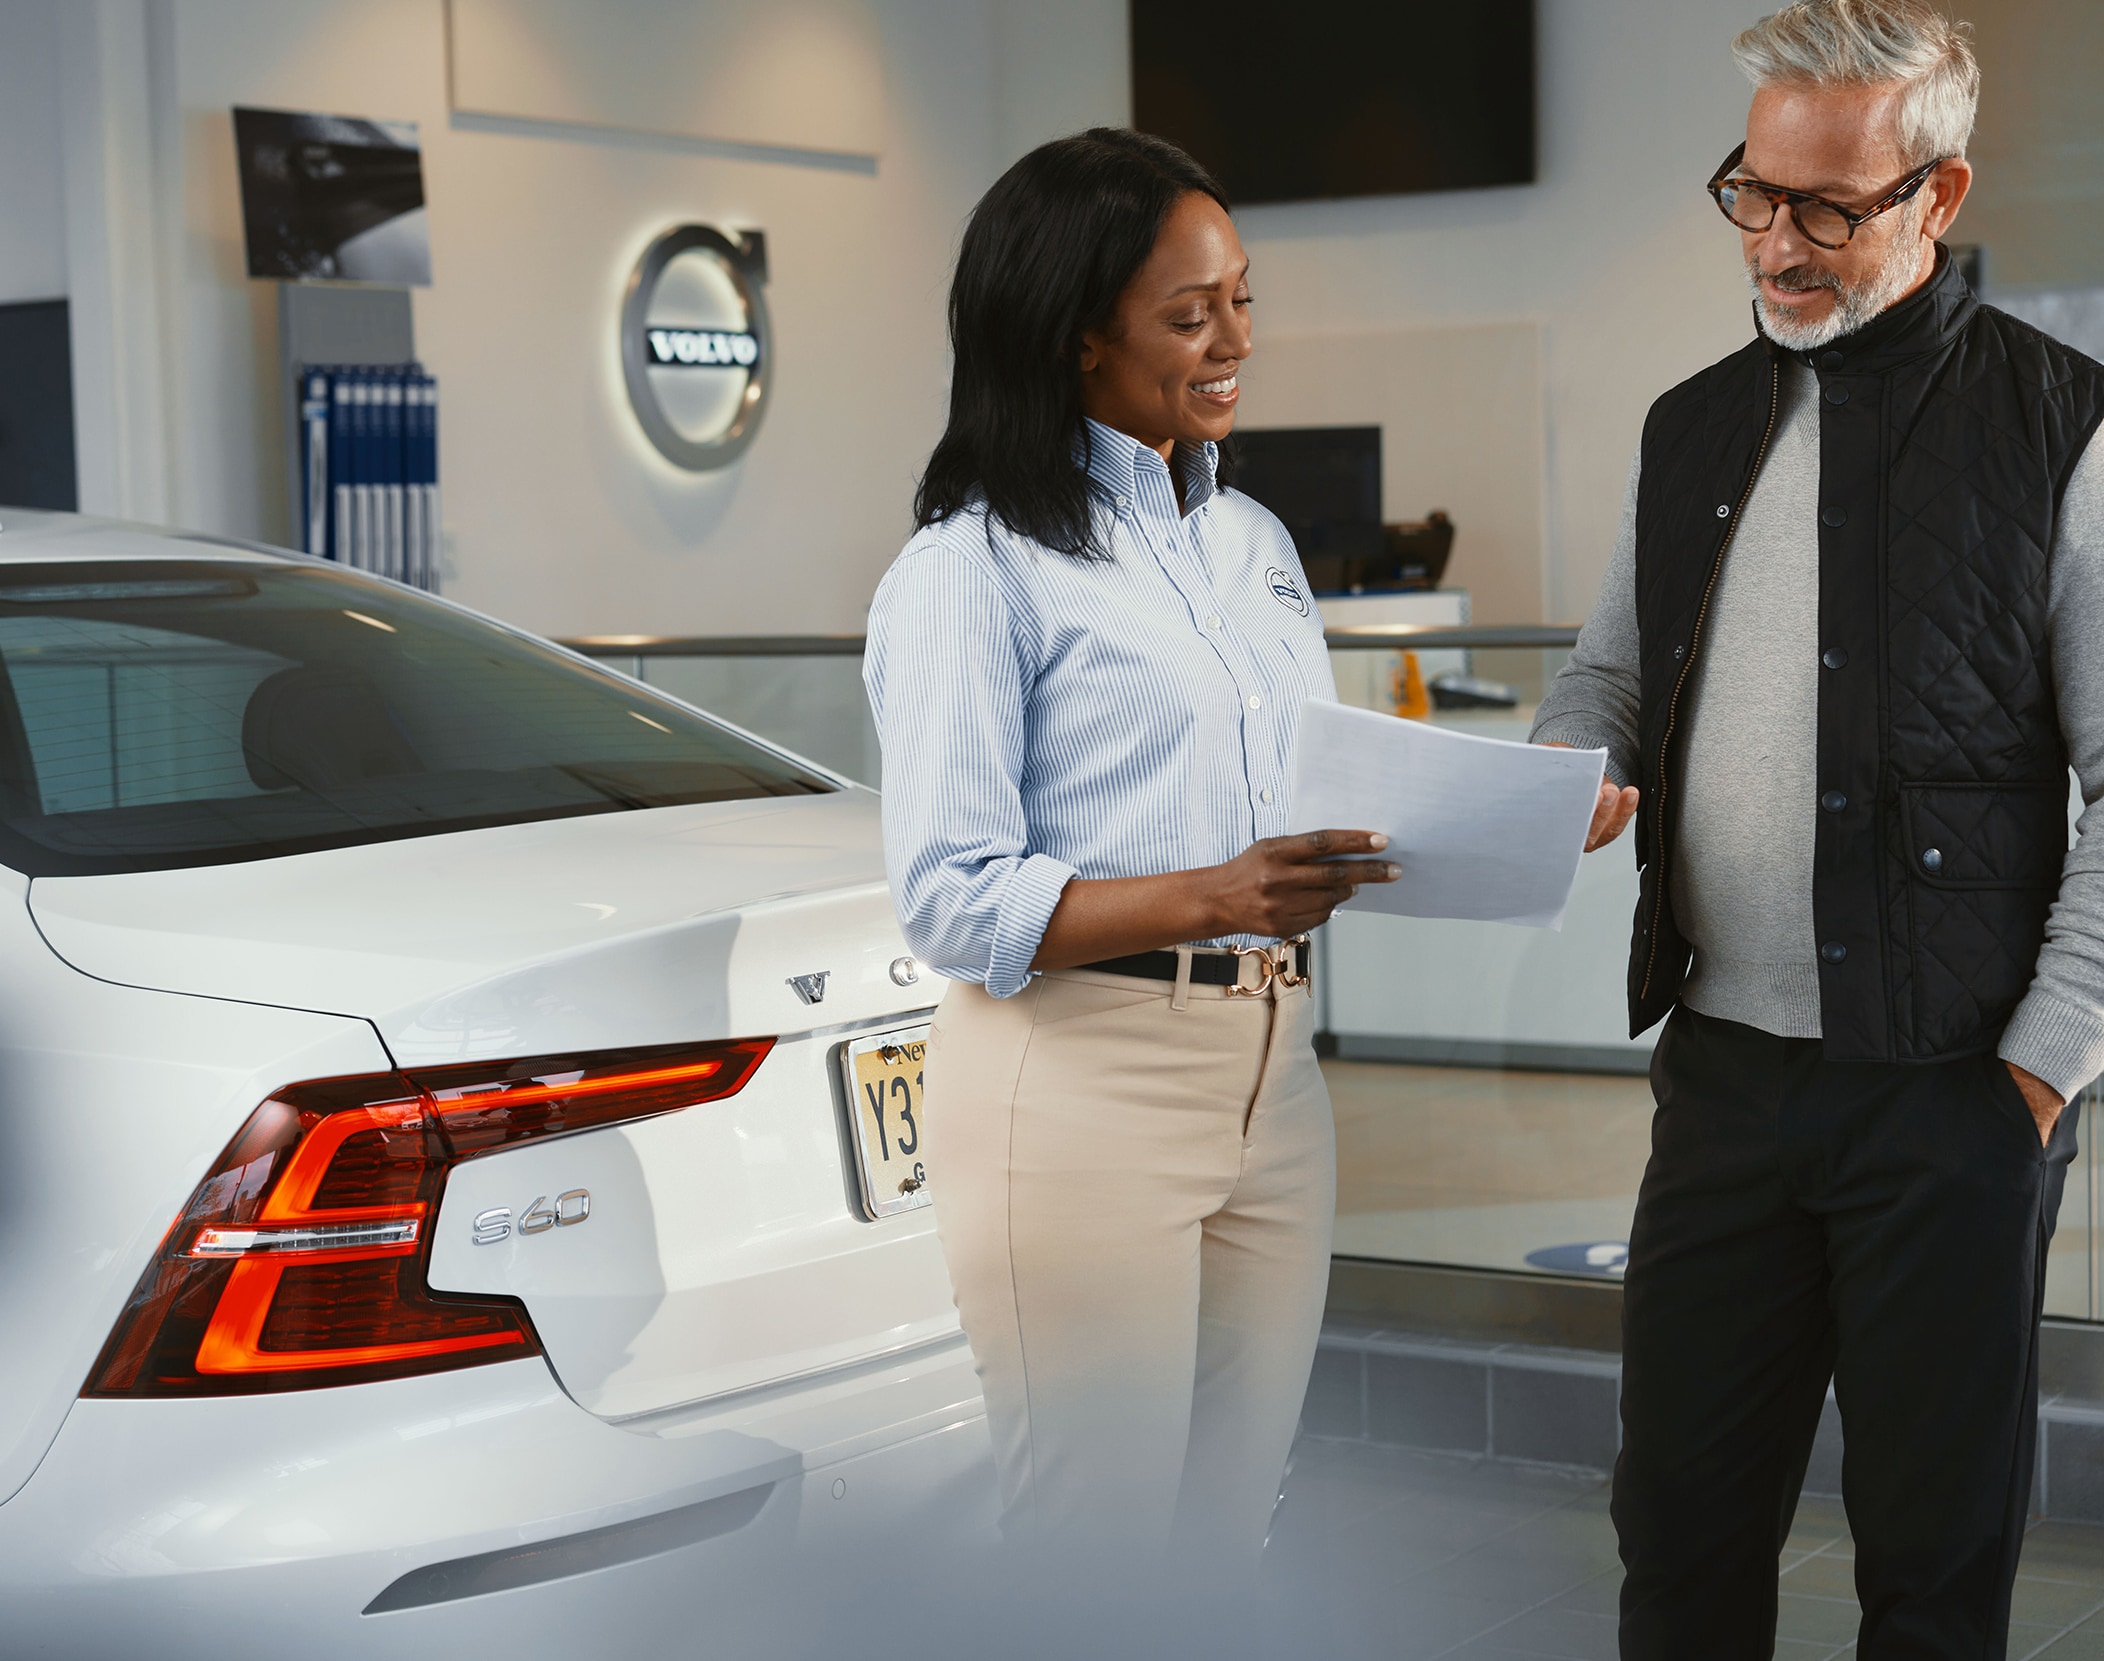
(1852, 307)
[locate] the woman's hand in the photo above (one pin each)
(1279, 887)
(1286, 885)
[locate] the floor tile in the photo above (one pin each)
(1820, 1525)
(2064, 1551)
(1822, 1576)
(1817, 1511)
(1559, 1632)
(1383, 1553)
(2055, 1603)
(1601, 1595)
(1819, 1620)
(1495, 1575)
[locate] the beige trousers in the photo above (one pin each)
(1135, 1201)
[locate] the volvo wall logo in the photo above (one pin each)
(694, 345)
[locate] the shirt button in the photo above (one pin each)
(1834, 658)
(1212, 622)
(1264, 795)
(1255, 702)
(1118, 500)
(1833, 801)
(1833, 951)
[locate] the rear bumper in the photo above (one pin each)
(418, 1515)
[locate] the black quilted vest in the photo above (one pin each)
(1947, 432)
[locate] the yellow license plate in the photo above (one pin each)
(883, 1078)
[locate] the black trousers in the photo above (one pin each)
(1881, 1225)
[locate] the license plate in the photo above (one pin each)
(883, 1078)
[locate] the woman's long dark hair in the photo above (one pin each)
(1047, 253)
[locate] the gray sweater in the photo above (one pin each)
(1742, 877)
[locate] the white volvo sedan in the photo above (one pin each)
(459, 1141)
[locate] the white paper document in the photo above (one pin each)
(1482, 828)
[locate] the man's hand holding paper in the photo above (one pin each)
(1480, 828)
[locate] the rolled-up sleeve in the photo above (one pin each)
(949, 679)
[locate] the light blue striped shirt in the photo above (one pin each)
(1045, 717)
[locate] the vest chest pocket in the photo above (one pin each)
(1985, 836)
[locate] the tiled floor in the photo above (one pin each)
(1409, 1557)
(1479, 1167)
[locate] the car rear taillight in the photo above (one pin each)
(300, 1260)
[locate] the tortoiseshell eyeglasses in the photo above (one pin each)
(1751, 204)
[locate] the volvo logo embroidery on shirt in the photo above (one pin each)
(1286, 591)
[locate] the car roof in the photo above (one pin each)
(28, 535)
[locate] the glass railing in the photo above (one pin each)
(1492, 1111)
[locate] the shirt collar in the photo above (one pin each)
(1117, 462)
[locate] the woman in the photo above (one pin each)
(1086, 666)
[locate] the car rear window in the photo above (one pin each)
(160, 714)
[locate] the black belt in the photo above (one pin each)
(1291, 961)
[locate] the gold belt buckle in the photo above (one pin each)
(1263, 955)
(1298, 945)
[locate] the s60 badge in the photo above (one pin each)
(495, 1224)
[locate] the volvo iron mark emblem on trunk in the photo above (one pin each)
(695, 351)
(810, 988)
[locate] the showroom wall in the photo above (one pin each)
(32, 194)
(561, 518)
(1616, 253)
(2040, 144)
(559, 515)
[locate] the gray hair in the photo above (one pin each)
(1855, 43)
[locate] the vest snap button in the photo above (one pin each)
(1830, 360)
(1833, 801)
(1834, 658)
(1724, 510)
(1833, 951)
(1680, 652)
(1932, 859)
(1837, 394)
(1833, 519)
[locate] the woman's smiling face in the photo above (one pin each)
(1163, 371)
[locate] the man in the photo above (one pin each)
(1851, 638)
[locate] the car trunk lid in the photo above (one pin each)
(721, 1245)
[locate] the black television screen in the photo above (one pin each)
(1312, 475)
(1324, 483)
(1354, 98)
(332, 196)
